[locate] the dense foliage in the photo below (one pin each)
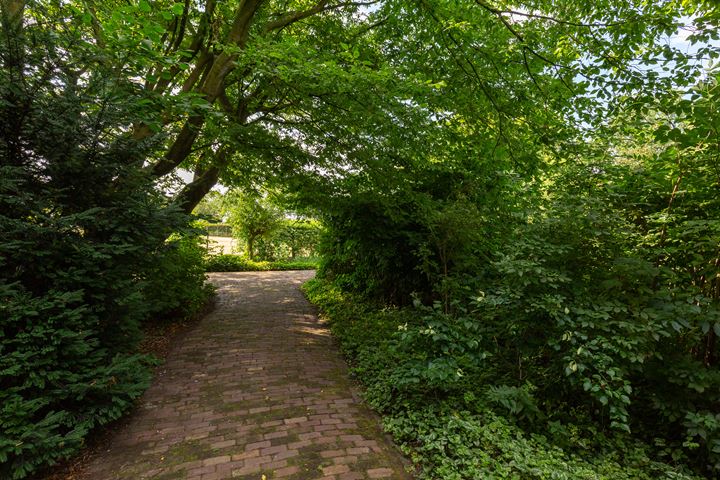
(432, 380)
(582, 307)
(569, 304)
(83, 256)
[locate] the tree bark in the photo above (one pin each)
(12, 14)
(203, 182)
(193, 192)
(181, 147)
(211, 89)
(251, 242)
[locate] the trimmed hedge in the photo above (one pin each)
(238, 263)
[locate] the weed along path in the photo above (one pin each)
(256, 390)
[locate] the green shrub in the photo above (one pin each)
(590, 297)
(176, 285)
(451, 443)
(420, 240)
(82, 232)
(239, 263)
(290, 240)
(422, 370)
(70, 313)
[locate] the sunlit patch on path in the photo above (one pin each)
(257, 390)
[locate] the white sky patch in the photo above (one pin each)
(185, 175)
(682, 42)
(521, 15)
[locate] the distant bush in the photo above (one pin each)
(238, 263)
(292, 238)
(176, 285)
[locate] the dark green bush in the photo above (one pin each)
(176, 285)
(71, 311)
(82, 250)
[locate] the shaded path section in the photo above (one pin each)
(257, 388)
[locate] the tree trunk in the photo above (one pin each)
(251, 242)
(193, 192)
(212, 86)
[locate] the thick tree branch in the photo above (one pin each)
(321, 6)
(211, 88)
(181, 147)
(202, 67)
(203, 182)
(241, 25)
(296, 16)
(193, 192)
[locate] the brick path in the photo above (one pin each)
(257, 390)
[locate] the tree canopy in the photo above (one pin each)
(261, 90)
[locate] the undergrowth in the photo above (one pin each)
(445, 413)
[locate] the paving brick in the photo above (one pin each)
(257, 445)
(270, 436)
(380, 472)
(332, 453)
(358, 450)
(257, 387)
(246, 455)
(215, 460)
(290, 421)
(275, 464)
(286, 472)
(335, 469)
(286, 454)
(223, 444)
(351, 476)
(271, 450)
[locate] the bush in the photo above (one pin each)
(422, 240)
(82, 250)
(432, 382)
(291, 239)
(587, 299)
(239, 263)
(176, 285)
(452, 443)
